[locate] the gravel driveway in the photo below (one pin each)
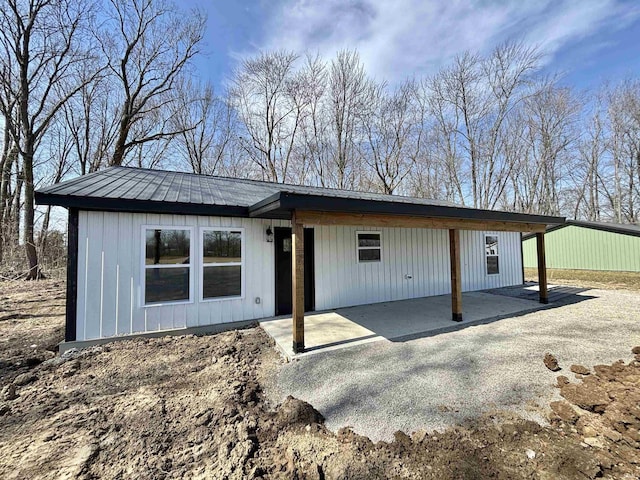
(440, 381)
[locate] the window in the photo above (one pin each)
(222, 252)
(491, 254)
(369, 246)
(167, 265)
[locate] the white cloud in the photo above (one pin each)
(397, 38)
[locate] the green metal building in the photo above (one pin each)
(587, 246)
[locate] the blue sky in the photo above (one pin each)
(587, 41)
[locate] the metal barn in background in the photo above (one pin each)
(579, 245)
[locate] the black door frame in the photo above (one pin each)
(309, 269)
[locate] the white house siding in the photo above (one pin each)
(422, 254)
(110, 297)
(110, 293)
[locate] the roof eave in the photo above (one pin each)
(283, 203)
(578, 223)
(138, 206)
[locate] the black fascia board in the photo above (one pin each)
(71, 305)
(139, 206)
(266, 206)
(292, 201)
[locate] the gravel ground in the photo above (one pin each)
(437, 382)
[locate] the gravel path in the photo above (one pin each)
(440, 381)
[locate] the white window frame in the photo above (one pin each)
(202, 265)
(486, 255)
(358, 247)
(145, 267)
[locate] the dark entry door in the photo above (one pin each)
(283, 246)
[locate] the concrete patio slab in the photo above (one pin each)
(438, 381)
(393, 321)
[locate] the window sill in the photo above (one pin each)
(220, 299)
(167, 304)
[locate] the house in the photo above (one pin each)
(580, 245)
(154, 250)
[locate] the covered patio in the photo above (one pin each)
(308, 332)
(396, 321)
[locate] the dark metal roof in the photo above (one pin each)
(621, 228)
(141, 190)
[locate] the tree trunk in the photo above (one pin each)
(34, 272)
(44, 230)
(5, 176)
(123, 133)
(15, 208)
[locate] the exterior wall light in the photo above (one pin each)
(269, 233)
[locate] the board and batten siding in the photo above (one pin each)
(110, 298)
(579, 248)
(421, 254)
(110, 269)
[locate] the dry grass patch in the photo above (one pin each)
(588, 278)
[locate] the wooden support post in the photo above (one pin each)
(542, 269)
(456, 278)
(297, 283)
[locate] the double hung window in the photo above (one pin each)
(491, 254)
(222, 263)
(369, 246)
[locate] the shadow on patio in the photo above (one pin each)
(405, 320)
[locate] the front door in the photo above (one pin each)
(283, 246)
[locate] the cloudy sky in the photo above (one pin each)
(585, 40)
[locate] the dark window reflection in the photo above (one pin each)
(222, 247)
(369, 255)
(223, 281)
(166, 247)
(166, 284)
(368, 239)
(492, 265)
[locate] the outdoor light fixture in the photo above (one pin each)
(269, 234)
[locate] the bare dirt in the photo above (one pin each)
(193, 407)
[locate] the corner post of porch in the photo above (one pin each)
(456, 278)
(297, 282)
(542, 268)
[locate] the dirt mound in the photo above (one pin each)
(188, 406)
(607, 413)
(193, 407)
(296, 412)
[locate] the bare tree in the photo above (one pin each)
(7, 161)
(314, 129)
(624, 147)
(590, 170)
(476, 96)
(267, 104)
(348, 90)
(207, 125)
(41, 70)
(550, 117)
(60, 147)
(148, 44)
(389, 126)
(91, 121)
(444, 146)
